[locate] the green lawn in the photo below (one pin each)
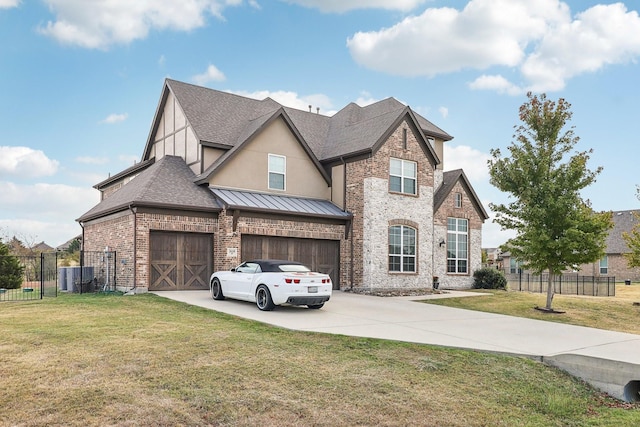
(612, 313)
(95, 360)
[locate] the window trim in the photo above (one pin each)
(270, 171)
(452, 240)
(402, 256)
(403, 177)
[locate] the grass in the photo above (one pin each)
(94, 360)
(611, 313)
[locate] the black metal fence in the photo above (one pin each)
(96, 273)
(39, 277)
(566, 284)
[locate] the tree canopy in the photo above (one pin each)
(633, 241)
(555, 228)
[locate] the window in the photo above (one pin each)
(402, 249)
(458, 200)
(277, 168)
(457, 245)
(514, 266)
(404, 138)
(604, 265)
(402, 176)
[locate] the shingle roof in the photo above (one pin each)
(167, 183)
(623, 222)
(449, 180)
(280, 204)
(225, 120)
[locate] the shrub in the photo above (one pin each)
(489, 278)
(10, 269)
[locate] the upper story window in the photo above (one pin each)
(402, 176)
(514, 266)
(458, 201)
(402, 249)
(457, 245)
(604, 265)
(277, 171)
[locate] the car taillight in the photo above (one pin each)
(289, 281)
(326, 280)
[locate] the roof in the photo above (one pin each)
(272, 265)
(225, 120)
(450, 179)
(623, 222)
(168, 183)
(280, 204)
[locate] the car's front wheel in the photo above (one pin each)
(316, 306)
(216, 289)
(263, 298)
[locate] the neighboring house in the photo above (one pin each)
(614, 263)
(360, 195)
(42, 247)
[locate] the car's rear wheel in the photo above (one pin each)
(315, 306)
(216, 289)
(263, 298)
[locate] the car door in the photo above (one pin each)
(242, 280)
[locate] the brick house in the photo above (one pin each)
(613, 263)
(360, 195)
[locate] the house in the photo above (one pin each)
(360, 195)
(613, 263)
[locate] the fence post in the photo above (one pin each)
(41, 274)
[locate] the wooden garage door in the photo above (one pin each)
(180, 261)
(319, 255)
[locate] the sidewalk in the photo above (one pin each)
(608, 360)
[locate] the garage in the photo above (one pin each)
(320, 255)
(180, 261)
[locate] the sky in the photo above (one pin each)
(81, 80)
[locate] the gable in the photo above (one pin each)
(444, 200)
(247, 169)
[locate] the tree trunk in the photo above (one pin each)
(550, 292)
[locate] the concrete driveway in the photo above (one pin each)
(608, 360)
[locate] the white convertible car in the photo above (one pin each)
(272, 282)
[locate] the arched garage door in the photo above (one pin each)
(319, 255)
(179, 261)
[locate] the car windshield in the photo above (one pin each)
(290, 268)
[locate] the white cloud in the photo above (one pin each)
(100, 24)
(346, 5)
(44, 211)
(293, 100)
(7, 4)
(25, 162)
(496, 83)
(539, 39)
(211, 75)
(114, 118)
(365, 99)
(474, 162)
(444, 112)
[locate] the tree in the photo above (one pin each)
(555, 228)
(10, 269)
(633, 241)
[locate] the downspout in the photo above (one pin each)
(135, 253)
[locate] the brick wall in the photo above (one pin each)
(467, 211)
(375, 209)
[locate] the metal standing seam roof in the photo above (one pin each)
(247, 200)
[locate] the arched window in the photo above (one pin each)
(402, 249)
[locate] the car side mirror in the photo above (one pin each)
(233, 270)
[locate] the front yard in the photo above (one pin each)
(105, 359)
